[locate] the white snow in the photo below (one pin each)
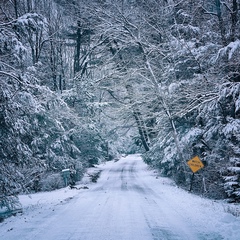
(229, 50)
(234, 169)
(129, 201)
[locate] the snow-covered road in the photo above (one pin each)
(127, 203)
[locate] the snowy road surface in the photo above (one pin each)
(128, 202)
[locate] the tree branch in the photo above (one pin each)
(12, 76)
(206, 12)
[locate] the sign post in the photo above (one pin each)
(66, 176)
(190, 189)
(195, 165)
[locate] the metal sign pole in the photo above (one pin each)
(191, 182)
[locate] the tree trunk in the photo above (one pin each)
(78, 48)
(144, 136)
(142, 130)
(29, 5)
(234, 18)
(53, 67)
(62, 68)
(221, 22)
(164, 105)
(16, 8)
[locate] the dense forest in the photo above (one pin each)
(85, 81)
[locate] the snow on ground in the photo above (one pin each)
(58, 196)
(198, 217)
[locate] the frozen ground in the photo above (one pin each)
(127, 202)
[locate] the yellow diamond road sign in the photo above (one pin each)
(195, 164)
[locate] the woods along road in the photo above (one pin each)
(129, 201)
